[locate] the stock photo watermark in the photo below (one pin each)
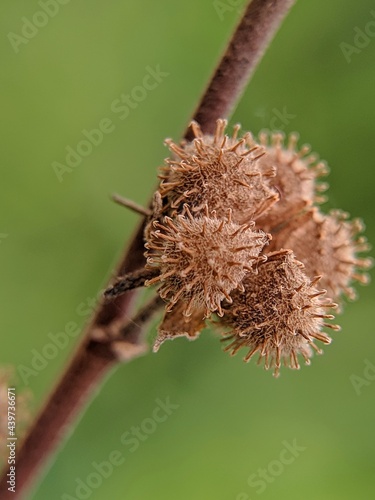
(276, 119)
(222, 8)
(3, 236)
(131, 439)
(11, 439)
(260, 479)
(361, 40)
(30, 27)
(57, 342)
(121, 107)
(365, 379)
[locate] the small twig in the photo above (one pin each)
(130, 281)
(125, 202)
(93, 360)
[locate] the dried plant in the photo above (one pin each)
(218, 171)
(228, 222)
(279, 314)
(185, 326)
(296, 177)
(201, 259)
(329, 246)
(210, 264)
(206, 263)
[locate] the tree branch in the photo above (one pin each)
(259, 23)
(93, 358)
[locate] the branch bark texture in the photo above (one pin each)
(260, 21)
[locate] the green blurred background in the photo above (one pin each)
(63, 239)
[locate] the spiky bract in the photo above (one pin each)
(201, 259)
(296, 174)
(218, 171)
(176, 324)
(280, 313)
(328, 245)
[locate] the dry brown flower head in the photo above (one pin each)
(296, 174)
(221, 201)
(201, 259)
(279, 315)
(328, 245)
(218, 171)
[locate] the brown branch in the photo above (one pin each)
(88, 368)
(260, 21)
(93, 359)
(81, 379)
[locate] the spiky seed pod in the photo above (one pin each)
(295, 180)
(218, 171)
(328, 245)
(201, 259)
(279, 315)
(176, 324)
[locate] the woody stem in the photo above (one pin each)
(257, 27)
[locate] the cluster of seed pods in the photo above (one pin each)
(237, 237)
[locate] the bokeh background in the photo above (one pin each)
(60, 242)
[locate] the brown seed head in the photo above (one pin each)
(328, 245)
(201, 259)
(279, 315)
(218, 171)
(295, 180)
(208, 261)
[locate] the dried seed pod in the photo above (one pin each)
(295, 180)
(218, 171)
(328, 245)
(176, 324)
(279, 315)
(201, 259)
